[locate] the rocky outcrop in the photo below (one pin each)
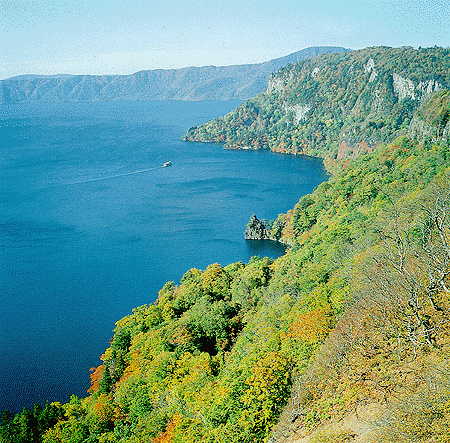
(405, 87)
(256, 229)
(299, 111)
(432, 119)
(262, 230)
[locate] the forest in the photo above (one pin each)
(352, 321)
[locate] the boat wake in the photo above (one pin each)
(101, 178)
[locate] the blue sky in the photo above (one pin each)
(122, 37)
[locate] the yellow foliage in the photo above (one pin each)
(107, 437)
(312, 326)
(268, 377)
(167, 312)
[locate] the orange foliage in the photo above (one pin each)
(167, 436)
(288, 229)
(104, 409)
(96, 376)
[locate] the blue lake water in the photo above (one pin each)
(92, 225)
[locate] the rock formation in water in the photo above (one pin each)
(256, 229)
(262, 230)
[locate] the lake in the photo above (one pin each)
(92, 225)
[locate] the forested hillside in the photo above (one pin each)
(344, 338)
(334, 106)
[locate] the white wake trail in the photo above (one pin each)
(102, 178)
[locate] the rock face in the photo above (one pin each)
(432, 119)
(238, 82)
(256, 229)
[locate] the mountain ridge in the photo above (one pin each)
(234, 82)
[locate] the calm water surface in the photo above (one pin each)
(92, 225)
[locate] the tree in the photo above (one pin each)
(26, 427)
(407, 273)
(267, 391)
(7, 428)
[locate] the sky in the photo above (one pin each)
(122, 37)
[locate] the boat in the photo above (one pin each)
(169, 163)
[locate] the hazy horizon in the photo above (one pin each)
(68, 74)
(117, 38)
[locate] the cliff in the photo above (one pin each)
(203, 83)
(431, 122)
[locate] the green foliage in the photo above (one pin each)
(29, 425)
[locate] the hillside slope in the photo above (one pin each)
(349, 329)
(345, 338)
(204, 83)
(334, 106)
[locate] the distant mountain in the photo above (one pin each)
(38, 76)
(238, 82)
